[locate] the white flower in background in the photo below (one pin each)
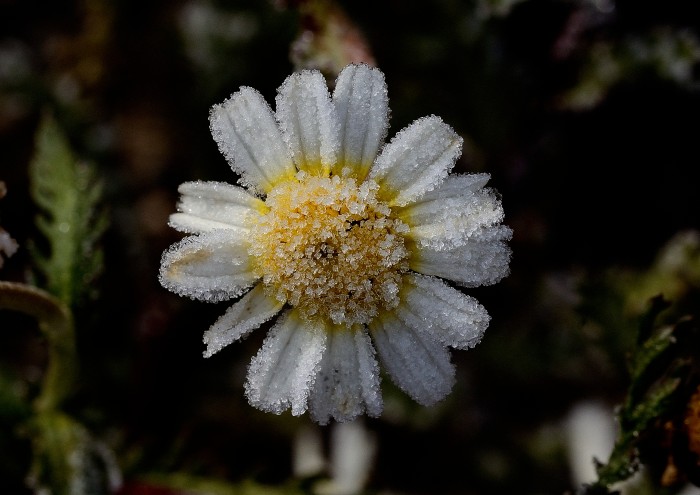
(343, 236)
(8, 246)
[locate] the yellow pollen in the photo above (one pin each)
(330, 248)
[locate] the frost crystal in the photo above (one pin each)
(350, 237)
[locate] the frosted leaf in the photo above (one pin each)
(362, 102)
(454, 212)
(283, 371)
(309, 122)
(416, 160)
(207, 206)
(432, 306)
(245, 129)
(212, 267)
(417, 363)
(348, 383)
(244, 316)
(482, 260)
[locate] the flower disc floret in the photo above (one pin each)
(330, 248)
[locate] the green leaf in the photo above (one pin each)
(68, 192)
(656, 368)
(68, 460)
(56, 324)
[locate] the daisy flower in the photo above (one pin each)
(346, 240)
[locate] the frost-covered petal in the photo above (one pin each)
(245, 129)
(416, 160)
(348, 383)
(430, 305)
(417, 363)
(283, 371)
(207, 206)
(243, 317)
(482, 260)
(309, 122)
(362, 102)
(213, 266)
(452, 213)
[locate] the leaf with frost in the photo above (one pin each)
(68, 193)
(657, 367)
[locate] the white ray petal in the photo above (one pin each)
(430, 305)
(362, 102)
(482, 260)
(283, 371)
(348, 383)
(309, 122)
(213, 266)
(245, 129)
(418, 364)
(206, 206)
(451, 214)
(243, 317)
(416, 160)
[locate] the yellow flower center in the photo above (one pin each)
(330, 248)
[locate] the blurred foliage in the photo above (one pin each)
(660, 367)
(581, 111)
(68, 193)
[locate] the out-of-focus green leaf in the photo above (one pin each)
(67, 459)
(68, 192)
(56, 323)
(13, 405)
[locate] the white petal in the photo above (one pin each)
(245, 129)
(348, 382)
(482, 260)
(418, 364)
(243, 317)
(416, 160)
(206, 206)
(452, 213)
(213, 266)
(309, 122)
(362, 102)
(283, 371)
(429, 305)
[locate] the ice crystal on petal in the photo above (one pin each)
(416, 160)
(207, 206)
(482, 260)
(417, 363)
(243, 317)
(454, 319)
(362, 102)
(281, 374)
(309, 122)
(348, 382)
(453, 213)
(248, 136)
(214, 266)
